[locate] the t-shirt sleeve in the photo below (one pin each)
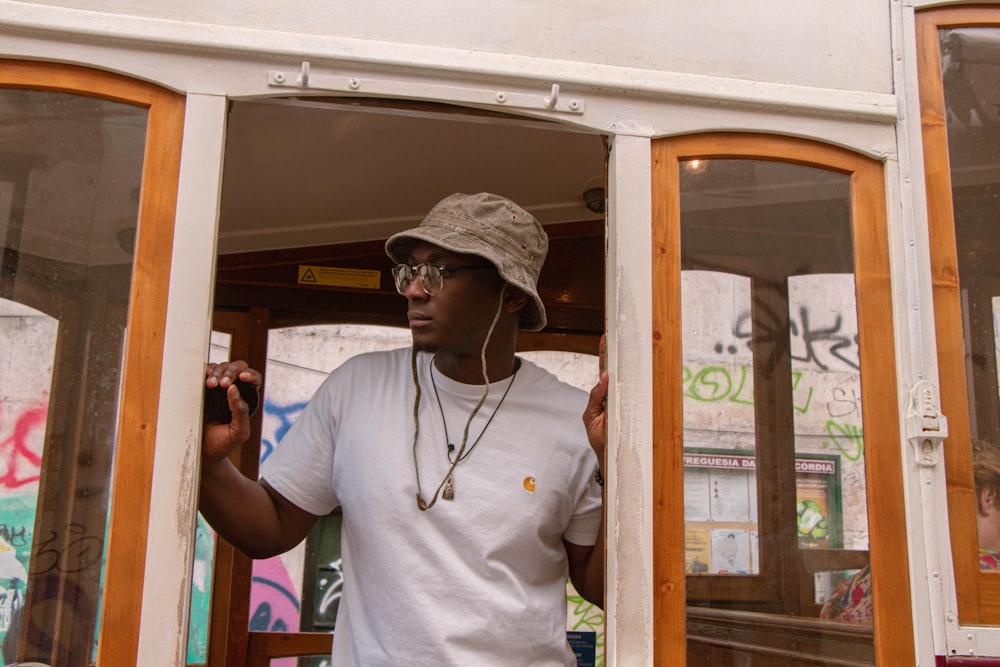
(301, 466)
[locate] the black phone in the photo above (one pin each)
(217, 407)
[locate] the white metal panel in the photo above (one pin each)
(841, 45)
(728, 86)
(170, 548)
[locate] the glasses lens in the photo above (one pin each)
(430, 278)
(402, 275)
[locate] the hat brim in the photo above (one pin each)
(398, 248)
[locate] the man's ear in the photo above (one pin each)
(986, 501)
(514, 298)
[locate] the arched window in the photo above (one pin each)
(776, 439)
(88, 182)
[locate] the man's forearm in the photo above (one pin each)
(240, 510)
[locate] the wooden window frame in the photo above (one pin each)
(894, 643)
(230, 641)
(978, 592)
(121, 607)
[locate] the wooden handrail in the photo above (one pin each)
(263, 646)
(715, 636)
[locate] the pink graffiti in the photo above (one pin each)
(274, 603)
(23, 465)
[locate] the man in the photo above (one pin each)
(466, 481)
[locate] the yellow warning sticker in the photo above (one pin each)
(332, 276)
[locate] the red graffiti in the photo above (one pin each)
(23, 464)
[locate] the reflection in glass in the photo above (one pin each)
(971, 76)
(775, 501)
(70, 169)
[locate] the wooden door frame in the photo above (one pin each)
(889, 559)
(978, 592)
(125, 549)
(229, 616)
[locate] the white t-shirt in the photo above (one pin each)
(477, 580)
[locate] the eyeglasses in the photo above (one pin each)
(431, 275)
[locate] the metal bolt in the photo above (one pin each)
(574, 105)
(501, 97)
(353, 84)
(279, 77)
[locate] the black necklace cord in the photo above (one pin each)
(444, 422)
(423, 505)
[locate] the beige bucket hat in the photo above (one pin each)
(494, 228)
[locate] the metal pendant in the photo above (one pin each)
(449, 488)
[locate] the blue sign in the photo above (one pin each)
(584, 644)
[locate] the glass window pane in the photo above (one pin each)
(971, 76)
(70, 171)
(720, 489)
(775, 498)
(831, 507)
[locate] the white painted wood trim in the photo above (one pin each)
(629, 635)
(173, 503)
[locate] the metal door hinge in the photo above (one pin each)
(303, 79)
(926, 427)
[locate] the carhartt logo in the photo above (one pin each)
(529, 484)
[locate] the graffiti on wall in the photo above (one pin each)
(20, 458)
(278, 419)
(22, 429)
(814, 345)
(820, 332)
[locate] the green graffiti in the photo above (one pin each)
(737, 397)
(712, 384)
(796, 378)
(709, 385)
(847, 438)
